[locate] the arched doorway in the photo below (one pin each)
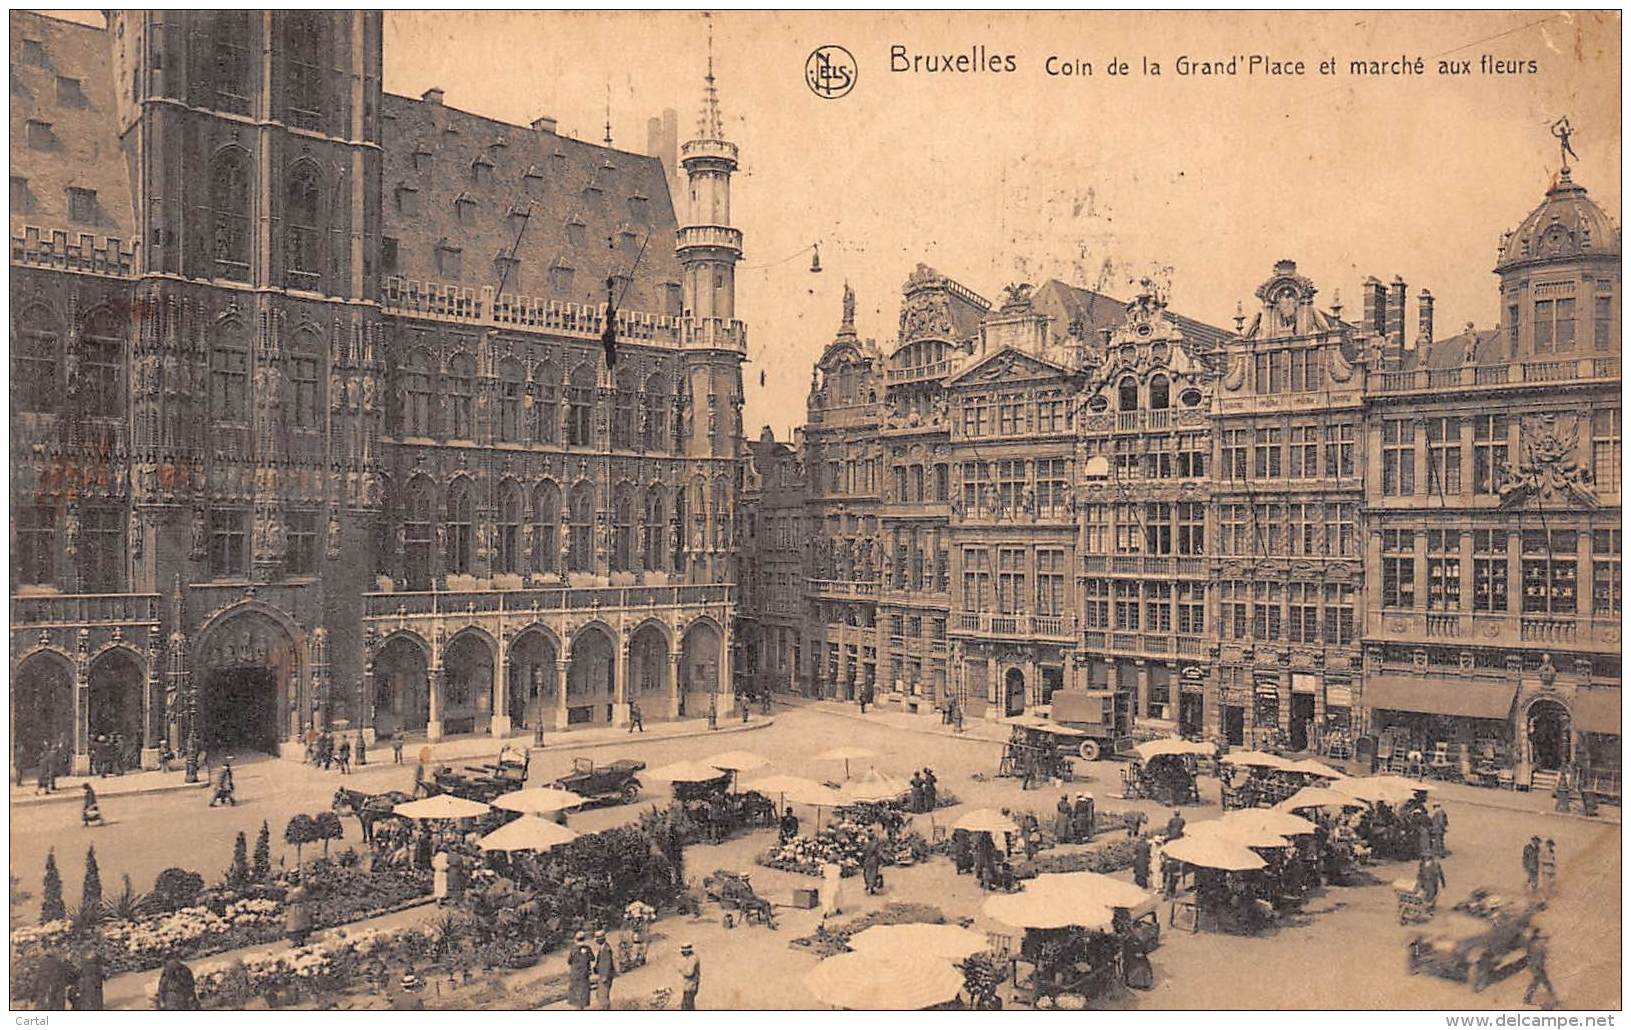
(699, 665)
(1548, 734)
(467, 694)
(401, 697)
(534, 690)
(648, 670)
(42, 698)
(116, 700)
(246, 667)
(589, 678)
(1013, 692)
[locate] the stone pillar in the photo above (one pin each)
(1143, 674)
(727, 665)
(502, 673)
(435, 681)
(82, 713)
(561, 667)
(995, 689)
(368, 695)
(151, 693)
(622, 674)
(1420, 569)
(676, 696)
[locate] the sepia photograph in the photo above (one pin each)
(816, 511)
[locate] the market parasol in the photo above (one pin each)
(874, 786)
(783, 785)
(539, 801)
(1318, 797)
(1270, 821)
(864, 980)
(1032, 722)
(845, 755)
(685, 772)
(984, 820)
(1393, 790)
(818, 795)
(941, 940)
(1258, 758)
(1237, 832)
(1214, 851)
(1033, 909)
(1310, 767)
(1091, 888)
(528, 835)
(441, 806)
(734, 762)
(1173, 746)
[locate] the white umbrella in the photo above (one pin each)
(941, 940)
(1318, 797)
(1173, 746)
(1238, 832)
(1257, 758)
(871, 980)
(1271, 821)
(1310, 767)
(874, 786)
(441, 806)
(845, 755)
(1091, 888)
(736, 761)
(1392, 790)
(783, 785)
(1047, 910)
(984, 820)
(528, 835)
(539, 801)
(685, 772)
(1214, 851)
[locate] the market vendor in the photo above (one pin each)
(789, 825)
(1062, 823)
(1084, 828)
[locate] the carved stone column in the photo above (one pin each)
(435, 681)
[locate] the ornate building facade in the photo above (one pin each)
(312, 426)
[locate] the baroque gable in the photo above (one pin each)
(1009, 366)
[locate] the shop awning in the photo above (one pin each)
(1597, 711)
(1470, 698)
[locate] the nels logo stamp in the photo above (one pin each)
(830, 71)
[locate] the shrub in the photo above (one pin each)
(90, 898)
(51, 906)
(128, 906)
(175, 889)
(300, 832)
(262, 869)
(237, 874)
(326, 826)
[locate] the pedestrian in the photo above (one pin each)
(1548, 867)
(1030, 832)
(742, 702)
(917, 791)
(962, 851)
(1536, 951)
(52, 981)
(713, 711)
(718, 818)
(637, 720)
(439, 865)
(1531, 863)
(344, 760)
(872, 867)
(1429, 878)
(1028, 776)
(87, 992)
(1561, 794)
(42, 775)
(89, 811)
(931, 790)
(1141, 864)
(1441, 830)
(225, 787)
(789, 825)
(397, 740)
(690, 978)
(1135, 823)
(580, 964)
(985, 858)
(605, 968)
(1175, 825)
(297, 917)
(1062, 821)
(831, 888)
(177, 991)
(167, 754)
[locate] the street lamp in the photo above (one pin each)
(192, 734)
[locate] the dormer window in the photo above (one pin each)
(423, 157)
(639, 206)
(516, 218)
(33, 53)
(449, 260)
(532, 177)
(22, 201)
(576, 233)
(560, 278)
(464, 208)
(508, 268)
(481, 169)
(407, 199)
(39, 135)
(69, 93)
(81, 204)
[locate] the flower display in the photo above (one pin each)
(845, 843)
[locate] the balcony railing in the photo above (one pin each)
(710, 236)
(936, 370)
(31, 610)
(1514, 373)
(467, 602)
(1595, 631)
(1001, 624)
(845, 587)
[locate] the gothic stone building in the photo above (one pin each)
(311, 426)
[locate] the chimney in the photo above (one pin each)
(545, 124)
(1375, 305)
(432, 96)
(1395, 312)
(1424, 323)
(654, 137)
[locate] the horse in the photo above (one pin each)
(368, 808)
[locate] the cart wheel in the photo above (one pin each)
(631, 791)
(1089, 751)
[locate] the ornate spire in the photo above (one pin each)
(709, 124)
(846, 328)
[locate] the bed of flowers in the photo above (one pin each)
(845, 843)
(327, 964)
(829, 940)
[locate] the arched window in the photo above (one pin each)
(1158, 393)
(624, 426)
(654, 414)
(461, 397)
(546, 518)
(510, 379)
(460, 528)
(546, 413)
(303, 34)
(418, 528)
(100, 381)
(656, 530)
(509, 559)
(304, 385)
(229, 378)
(1128, 400)
(416, 394)
(34, 556)
(229, 214)
(719, 514)
(580, 398)
(583, 528)
(623, 529)
(230, 39)
(36, 362)
(699, 514)
(101, 559)
(302, 235)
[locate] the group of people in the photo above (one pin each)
(592, 970)
(323, 751)
(1540, 865)
(978, 853)
(50, 763)
(1076, 821)
(925, 791)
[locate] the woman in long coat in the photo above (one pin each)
(579, 965)
(1062, 821)
(297, 916)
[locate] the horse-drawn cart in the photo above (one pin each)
(1038, 749)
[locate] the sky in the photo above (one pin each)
(1201, 182)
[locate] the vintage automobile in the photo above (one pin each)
(1480, 941)
(612, 783)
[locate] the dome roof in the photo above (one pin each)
(1568, 224)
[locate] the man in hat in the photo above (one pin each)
(1535, 948)
(931, 790)
(1141, 863)
(1548, 867)
(690, 971)
(789, 825)
(1441, 829)
(1175, 825)
(1531, 863)
(605, 968)
(579, 966)
(1061, 821)
(917, 791)
(637, 719)
(1429, 878)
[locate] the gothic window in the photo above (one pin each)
(416, 395)
(229, 45)
(36, 362)
(302, 534)
(680, 519)
(655, 409)
(625, 427)
(1605, 449)
(583, 528)
(546, 517)
(228, 543)
(580, 399)
(229, 381)
(656, 529)
(34, 560)
(302, 241)
(546, 412)
(510, 379)
(418, 532)
(229, 214)
(303, 34)
(461, 397)
(99, 382)
(623, 529)
(304, 384)
(460, 528)
(508, 560)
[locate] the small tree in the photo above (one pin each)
(90, 900)
(238, 871)
(327, 827)
(51, 906)
(300, 832)
(262, 869)
(176, 888)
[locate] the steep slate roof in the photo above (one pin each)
(82, 147)
(579, 194)
(1099, 311)
(1451, 352)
